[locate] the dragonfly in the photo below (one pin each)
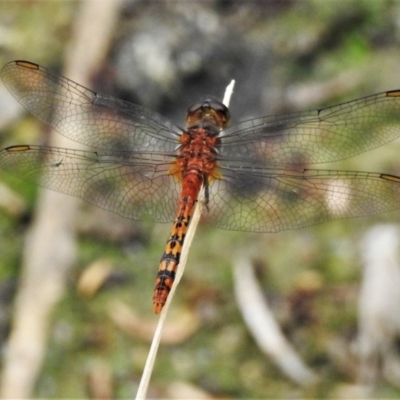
(257, 175)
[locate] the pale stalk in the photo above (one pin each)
(228, 93)
(148, 369)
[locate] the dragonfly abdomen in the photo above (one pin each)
(170, 259)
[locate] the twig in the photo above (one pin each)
(148, 369)
(228, 93)
(264, 327)
(50, 248)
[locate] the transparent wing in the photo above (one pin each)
(275, 200)
(325, 135)
(264, 184)
(85, 116)
(139, 187)
(134, 186)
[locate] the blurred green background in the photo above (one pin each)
(285, 56)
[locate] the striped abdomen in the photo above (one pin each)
(191, 186)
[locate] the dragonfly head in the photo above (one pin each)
(208, 111)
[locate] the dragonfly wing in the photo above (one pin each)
(325, 135)
(133, 186)
(277, 200)
(85, 116)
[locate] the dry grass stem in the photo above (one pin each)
(148, 369)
